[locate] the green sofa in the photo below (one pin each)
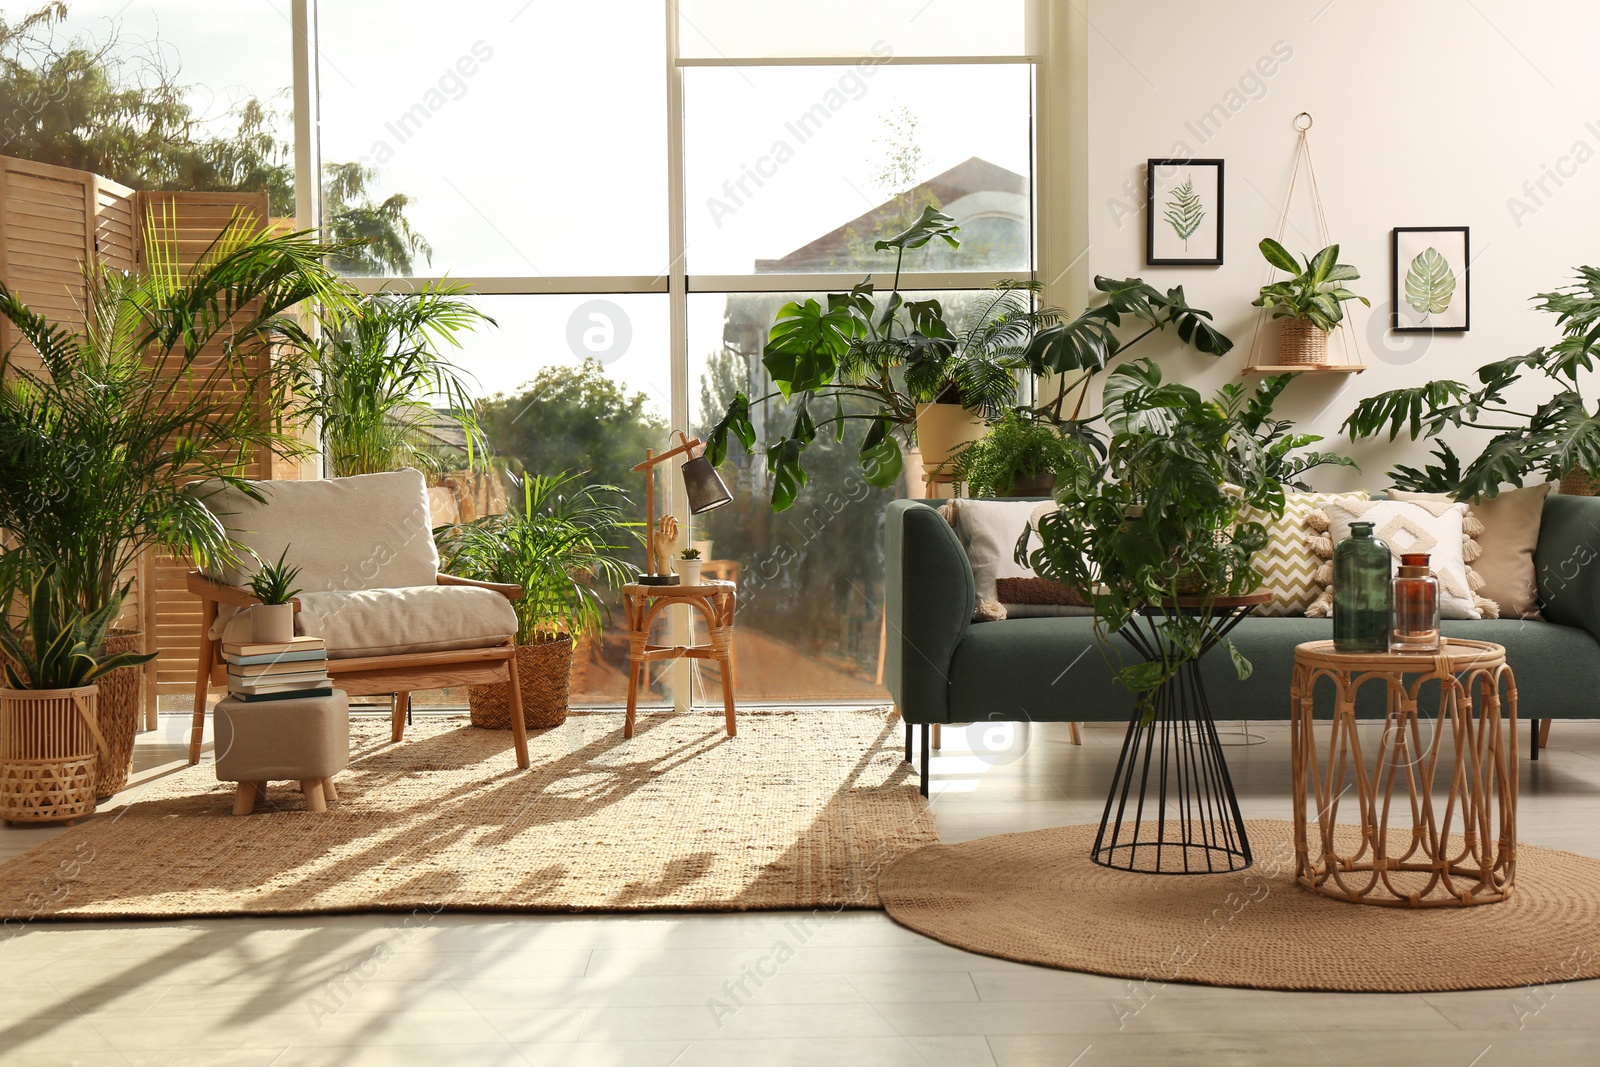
(943, 668)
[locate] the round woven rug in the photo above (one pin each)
(1036, 898)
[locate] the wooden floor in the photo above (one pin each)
(851, 988)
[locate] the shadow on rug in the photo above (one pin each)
(803, 809)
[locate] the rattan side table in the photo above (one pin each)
(715, 601)
(1407, 850)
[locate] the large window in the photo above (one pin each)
(633, 190)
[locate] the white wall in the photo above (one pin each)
(1428, 113)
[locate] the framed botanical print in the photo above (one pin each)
(1183, 212)
(1430, 280)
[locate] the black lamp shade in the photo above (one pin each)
(703, 486)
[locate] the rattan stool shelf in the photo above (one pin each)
(1406, 852)
(714, 600)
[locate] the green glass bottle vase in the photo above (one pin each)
(1362, 592)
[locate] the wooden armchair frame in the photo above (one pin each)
(398, 674)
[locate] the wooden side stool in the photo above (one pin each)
(714, 600)
(304, 740)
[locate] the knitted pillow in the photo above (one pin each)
(1443, 529)
(1510, 534)
(1287, 565)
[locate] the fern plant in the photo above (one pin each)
(1552, 438)
(58, 645)
(1184, 211)
(1018, 446)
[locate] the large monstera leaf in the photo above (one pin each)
(806, 343)
(1430, 283)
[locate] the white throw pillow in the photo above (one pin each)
(1408, 527)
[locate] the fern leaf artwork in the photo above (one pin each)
(1184, 211)
(1430, 283)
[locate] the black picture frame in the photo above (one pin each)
(1161, 175)
(1405, 316)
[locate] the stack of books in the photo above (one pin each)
(278, 671)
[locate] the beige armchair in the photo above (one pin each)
(371, 589)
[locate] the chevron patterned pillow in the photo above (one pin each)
(1288, 566)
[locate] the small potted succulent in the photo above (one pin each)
(1310, 301)
(688, 566)
(272, 620)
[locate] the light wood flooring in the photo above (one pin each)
(857, 990)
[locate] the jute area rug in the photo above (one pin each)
(802, 809)
(1036, 898)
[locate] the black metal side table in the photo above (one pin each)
(1172, 808)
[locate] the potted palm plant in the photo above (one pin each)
(1310, 301)
(49, 726)
(1559, 438)
(377, 379)
(96, 444)
(563, 544)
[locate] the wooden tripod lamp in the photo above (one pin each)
(702, 487)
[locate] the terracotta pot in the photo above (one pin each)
(48, 754)
(121, 708)
(272, 623)
(545, 673)
(943, 428)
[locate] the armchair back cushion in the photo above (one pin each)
(370, 531)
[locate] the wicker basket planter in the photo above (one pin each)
(1578, 482)
(121, 707)
(48, 742)
(545, 671)
(1300, 343)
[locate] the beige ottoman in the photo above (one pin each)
(306, 740)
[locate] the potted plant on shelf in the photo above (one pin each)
(97, 440)
(1158, 510)
(563, 544)
(1558, 438)
(1019, 455)
(885, 366)
(49, 726)
(272, 620)
(1310, 301)
(688, 566)
(377, 381)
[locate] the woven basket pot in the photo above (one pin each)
(121, 708)
(1301, 343)
(47, 753)
(1578, 482)
(545, 671)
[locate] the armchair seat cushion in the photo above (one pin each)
(388, 622)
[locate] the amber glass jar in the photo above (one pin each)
(1415, 625)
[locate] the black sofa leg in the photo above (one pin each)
(908, 742)
(1533, 745)
(926, 731)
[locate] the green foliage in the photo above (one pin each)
(58, 645)
(94, 447)
(1017, 446)
(1184, 211)
(1312, 292)
(1557, 436)
(375, 376)
(273, 583)
(1161, 513)
(1430, 283)
(891, 358)
(116, 108)
(574, 417)
(689, 553)
(560, 542)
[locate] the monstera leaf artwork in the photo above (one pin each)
(1430, 283)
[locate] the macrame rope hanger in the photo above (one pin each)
(1302, 155)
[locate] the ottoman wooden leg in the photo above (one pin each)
(328, 791)
(244, 798)
(312, 788)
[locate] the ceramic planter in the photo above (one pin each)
(688, 570)
(272, 623)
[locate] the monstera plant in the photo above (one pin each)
(1558, 438)
(848, 359)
